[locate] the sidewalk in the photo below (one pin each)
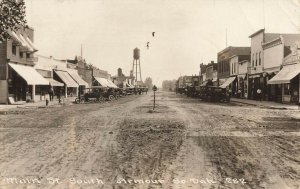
(265, 104)
(38, 104)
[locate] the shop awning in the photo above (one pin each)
(112, 84)
(29, 74)
(242, 76)
(66, 78)
(78, 79)
(285, 74)
(30, 43)
(55, 83)
(102, 81)
(25, 43)
(227, 82)
(204, 83)
(129, 86)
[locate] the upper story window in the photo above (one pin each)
(256, 60)
(14, 50)
(259, 62)
(233, 64)
(253, 60)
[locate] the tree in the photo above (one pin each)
(169, 85)
(12, 17)
(148, 83)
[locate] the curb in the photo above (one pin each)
(264, 106)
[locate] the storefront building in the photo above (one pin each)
(19, 81)
(228, 66)
(123, 81)
(267, 53)
(288, 77)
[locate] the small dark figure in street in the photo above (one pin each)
(51, 93)
(239, 93)
(259, 96)
(59, 96)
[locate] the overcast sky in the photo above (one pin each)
(188, 32)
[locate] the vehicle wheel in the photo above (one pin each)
(111, 97)
(77, 100)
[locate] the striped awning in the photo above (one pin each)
(55, 83)
(286, 74)
(29, 74)
(78, 79)
(228, 82)
(102, 81)
(66, 78)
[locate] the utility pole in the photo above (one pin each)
(226, 37)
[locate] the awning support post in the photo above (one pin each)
(33, 93)
(66, 91)
(299, 91)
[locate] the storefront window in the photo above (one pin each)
(287, 89)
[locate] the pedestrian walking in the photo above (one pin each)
(259, 95)
(239, 93)
(59, 96)
(51, 93)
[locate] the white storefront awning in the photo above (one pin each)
(101, 81)
(30, 43)
(129, 86)
(66, 78)
(227, 82)
(285, 74)
(78, 79)
(25, 43)
(29, 74)
(204, 83)
(112, 84)
(55, 83)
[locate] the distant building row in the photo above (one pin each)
(271, 65)
(25, 76)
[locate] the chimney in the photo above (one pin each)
(119, 72)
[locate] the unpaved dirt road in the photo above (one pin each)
(185, 143)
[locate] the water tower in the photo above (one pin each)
(136, 67)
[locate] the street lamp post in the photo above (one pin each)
(154, 88)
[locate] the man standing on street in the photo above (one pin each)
(51, 94)
(259, 94)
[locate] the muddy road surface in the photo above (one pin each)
(184, 143)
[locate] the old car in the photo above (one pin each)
(94, 94)
(213, 94)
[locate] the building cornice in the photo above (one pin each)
(256, 33)
(272, 43)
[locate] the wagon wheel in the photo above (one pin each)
(110, 97)
(77, 100)
(101, 99)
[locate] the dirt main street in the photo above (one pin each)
(185, 143)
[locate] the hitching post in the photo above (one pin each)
(154, 88)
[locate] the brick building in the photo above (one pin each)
(268, 51)
(123, 81)
(18, 79)
(225, 59)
